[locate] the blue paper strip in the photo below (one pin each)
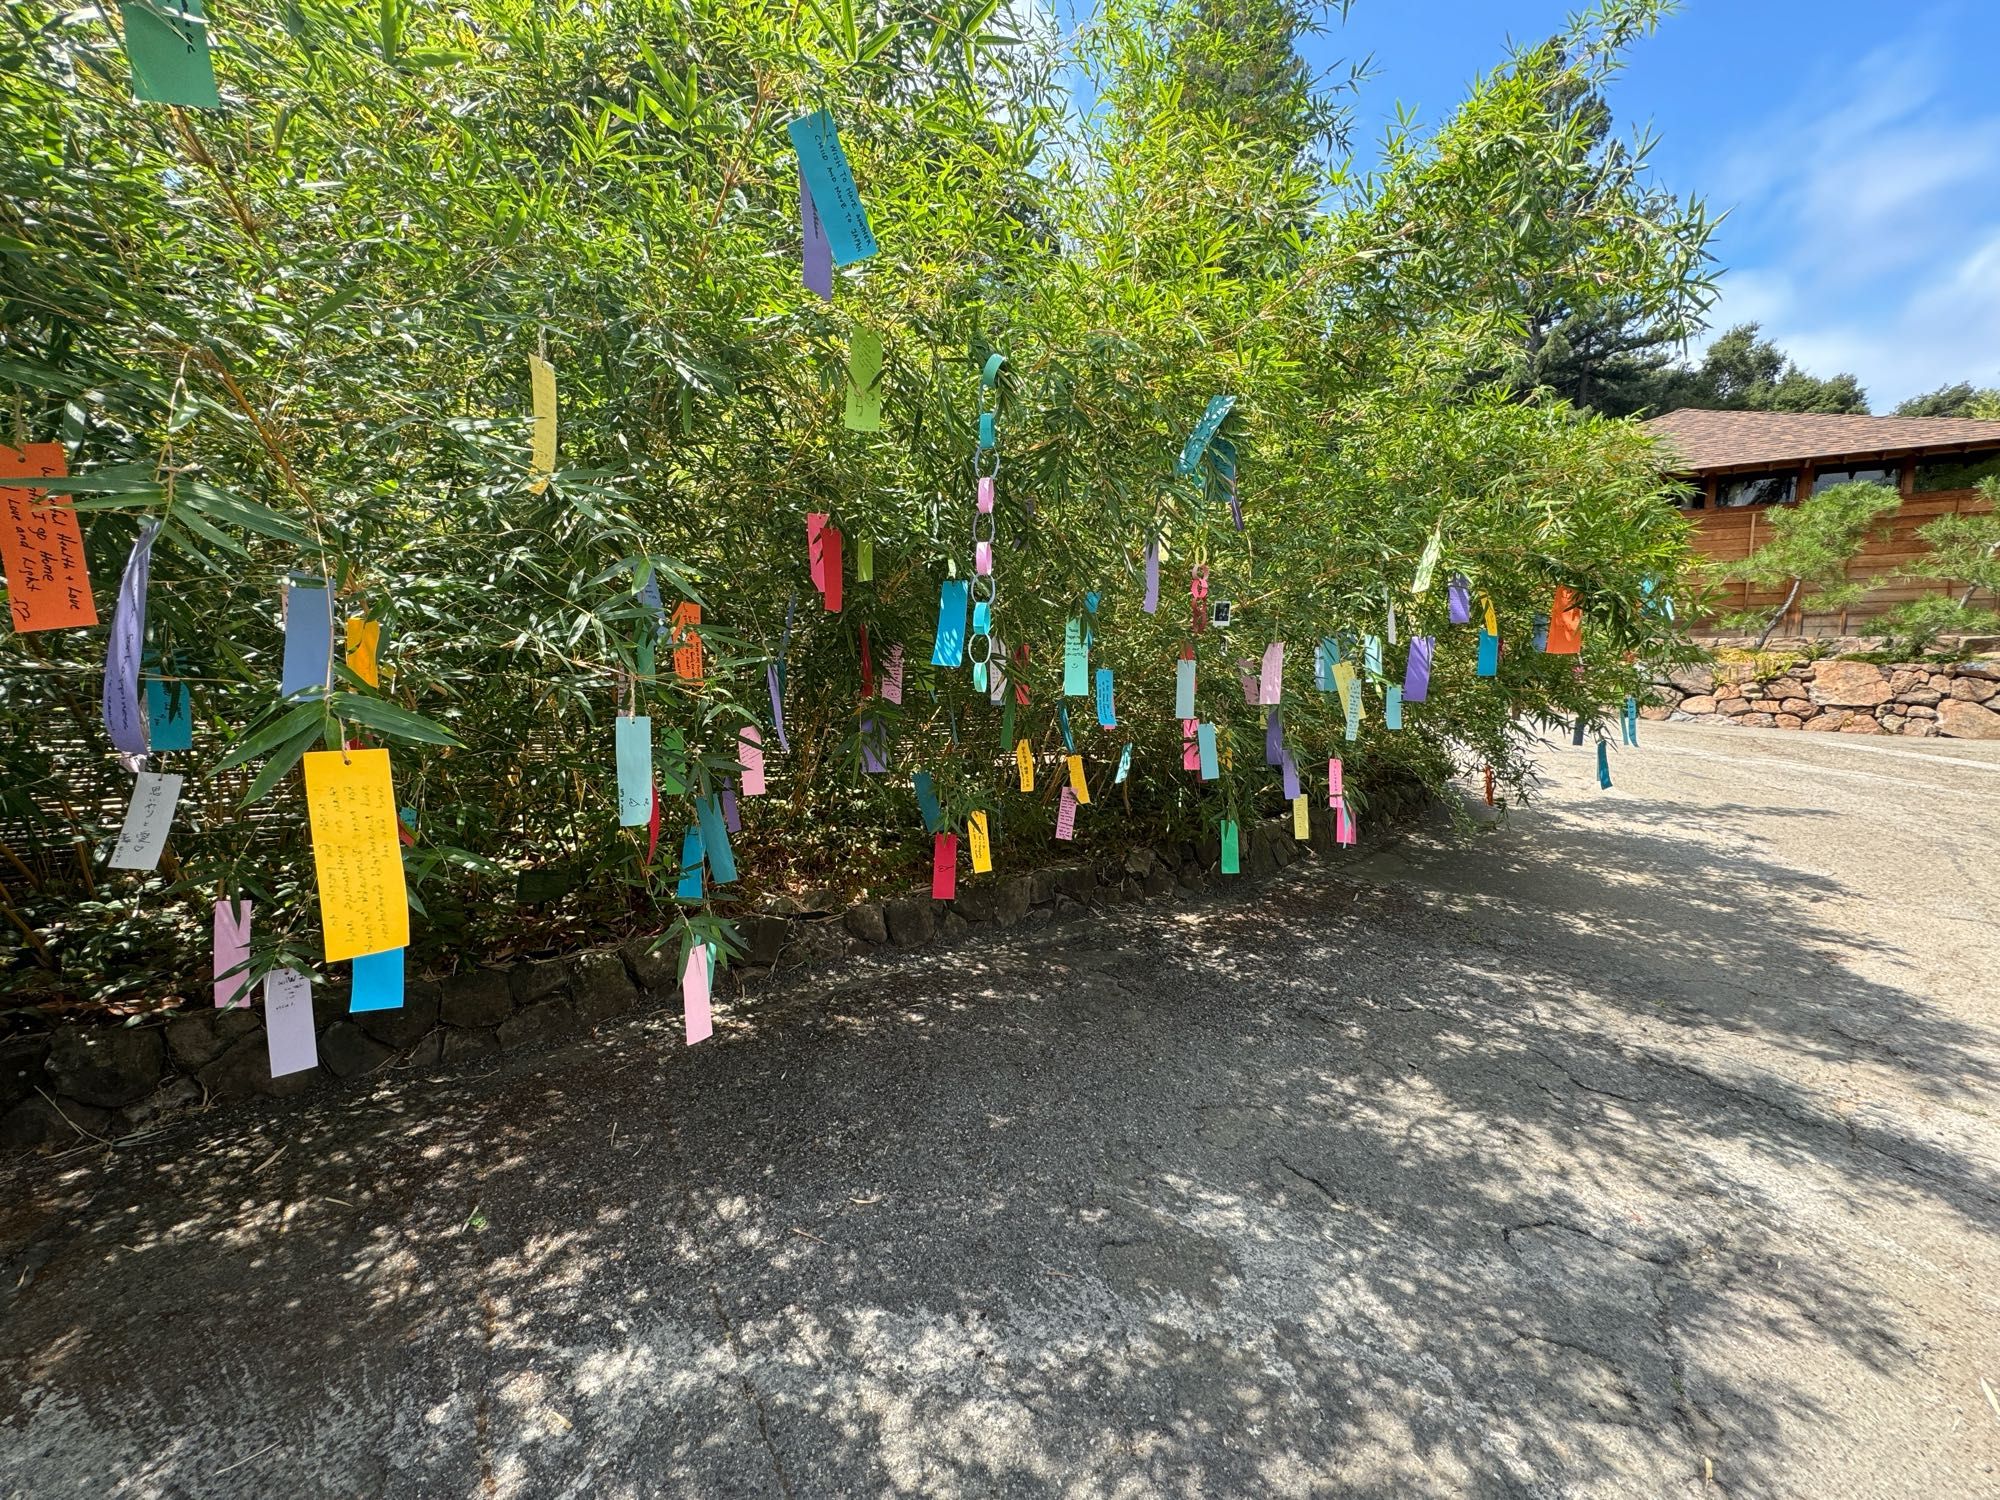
(169, 716)
(1211, 418)
(1288, 770)
(308, 638)
(1541, 641)
(927, 803)
(1324, 660)
(1604, 765)
(1631, 721)
(830, 181)
(1392, 707)
(634, 742)
(1062, 721)
(689, 887)
(1184, 688)
(378, 981)
(814, 249)
(1124, 765)
(1106, 716)
(1204, 735)
(715, 840)
(124, 719)
(1489, 655)
(953, 597)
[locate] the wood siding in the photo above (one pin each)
(1884, 562)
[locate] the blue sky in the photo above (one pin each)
(1856, 144)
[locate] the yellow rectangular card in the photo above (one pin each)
(363, 906)
(542, 379)
(1302, 828)
(982, 847)
(1025, 759)
(363, 637)
(1076, 781)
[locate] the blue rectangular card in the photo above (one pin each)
(378, 981)
(835, 198)
(954, 600)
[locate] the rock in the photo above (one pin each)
(1786, 721)
(480, 998)
(1892, 723)
(196, 1038)
(911, 920)
(1698, 680)
(1925, 696)
(1957, 718)
(1729, 708)
(1078, 883)
(427, 1050)
(1861, 724)
(653, 968)
(1701, 705)
(1849, 684)
(1139, 863)
(36, 1121)
(1766, 705)
(1920, 728)
(346, 1051)
(1757, 721)
(529, 984)
(245, 1069)
(1918, 711)
(1158, 882)
(105, 1065)
(462, 1047)
(1973, 689)
(1044, 883)
(952, 925)
(764, 938)
(601, 987)
(1002, 902)
(1788, 687)
(1902, 679)
(538, 1025)
(1832, 720)
(402, 1027)
(867, 922)
(21, 1059)
(1656, 712)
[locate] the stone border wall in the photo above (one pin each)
(1960, 700)
(87, 1078)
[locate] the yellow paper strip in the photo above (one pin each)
(1492, 620)
(363, 637)
(363, 906)
(542, 378)
(1025, 759)
(982, 848)
(1302, 828)
(1076, 781)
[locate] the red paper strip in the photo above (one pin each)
(830, 568)
(944, 866)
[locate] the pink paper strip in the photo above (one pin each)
(815, 549)
(1247, 677)
(232, 951)
(750, 753)
(694, 995)
(1066, 815)
(1190, 747)
(892, 675)
(982, 558)
(1271, 682)
(986, 492)
(1333, 782)
(944, 866)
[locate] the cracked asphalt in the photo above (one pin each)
(1645, 1143)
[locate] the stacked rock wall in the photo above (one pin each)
(1958, 700)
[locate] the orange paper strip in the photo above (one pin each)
(41, 546)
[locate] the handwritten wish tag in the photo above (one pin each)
(378, 982)
(124, 716)
(1348, 684)
(1232, 854)
(351, 801)
(1066, 815)
(953, 606)
(687, 885)
(1184, 688)
(1417, 668)
(695, 1010)
(41, 545)
(167, 42)
(1459, 597)
(148, 818)
(1076, 661)
(1333, 782)
(288, 1022)
(981, 842)
(750, 756)
(1302, 827)
(1205, 743)
(1124, 766)
(1190, 746)
(1152, 600)
(688, 665)
(715, 839)
(1106, 716)
(944, 866)
(1352, 703)
(1489, 654)
(892, 675)
(864, 381)
(830, 183)
(1271, 680)
(364, 638)
(308, 637)
(1392, 707)
(816, 253)
(1565, 625)
(1076, 782)
(1024, 762)
(633, 741)
(232, 953)
(542, 442)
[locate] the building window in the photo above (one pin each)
(1755, 489)
(1826, 479)
(1959, 472)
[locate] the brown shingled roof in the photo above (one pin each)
(1707, 440)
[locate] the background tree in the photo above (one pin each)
(1810, 546)
(1964, 553)
(1742, 372)
(1962, 399)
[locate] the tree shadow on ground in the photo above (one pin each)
(1317, 1189)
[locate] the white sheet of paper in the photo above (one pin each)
(147, 821)
(288, 1022)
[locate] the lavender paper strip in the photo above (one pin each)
(1417, 669)
(1152, 578)
(124, 720)
(871, 747)
(1289, 770)
(817, 250)
(1460, 593)
(732, 819)
(1274, 739)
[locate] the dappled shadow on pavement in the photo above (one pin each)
(1322, 1189)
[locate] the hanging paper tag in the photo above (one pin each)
(351, 802)
(1062, 723)
(688, 665)
(1184, 688)
(124, 718)
(927, 802)
(688, 887)
(633, 741)
(542, 443)
(1271, 681)
(1152, 602)
(1333, 782)
(308, 638)
(232, 953)
(1323, 663)
(944, 866)
(1392, 707)
(1247, 678)
(835, 199)
(364, 636)
(1066, 814)
(1352, 703)
(1232, 856)
(874, 746)
(1274, 738)
(1301, 819)
(1459, 598)
(1604, 765)
(1212, 417)
(1489, 654)
(288, 1022)
(949, 651)
(732, 815)
(864, 381)
(1343, 824)
(1427, 564)
(750, 755)
(1565, 625)
(1288, 773)
(1371, 655)
(1076, 661)
(1024, 762)
(715, 840)
(167, 42)
(777, 707)
(830, 566)
(864, 560)
(814, 250)
(1124, 765)
(985, 501)
(169, 715)
(148, 818)
(1417, 669)
(892, 675)
(1105, 715)
(1205, 742)
(1540, 641)
(41, 545)
(1076, 781)
(377, 982)
(652, 828)
(982, 847)
(695, 1011)
(1631, 724)
(1392, 622)
(816, 550)
(1347, 683)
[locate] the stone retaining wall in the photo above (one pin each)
(88, 1078)
(1960, 700)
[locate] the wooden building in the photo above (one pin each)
(1741, 463)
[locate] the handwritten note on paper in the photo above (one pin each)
(1106, 715)
(1205, 748)
(351, 801)
(1302, 828)
(687, 886)
(1348, 684)
(750, 755)
(944, 866)
(1024, 762)
(1333, 782)
(633, 741)
(124, 716)
(830, 182)
(167, 42)
(1066, 815)
(41, 546)
(1076, 661)
(232, 952)
(1353, 706)
(815, 251)
(1565, 625)
(147, 819)
(288, 1022)
(695, 1011)
(1232, 854)
(981, 842)
(542, 453)
(954, 596)
(378, 982)
(308, 637)
(1271, 680)
(892, 675)
(1184, 688)
(864, 381)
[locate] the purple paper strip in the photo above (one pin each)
(1461, 600)
(1235, 507)
(1274, 739)
(871, 753)
(731, 819)
(818, 251)
(1289, 769)
(124, 719)
(1417, 669)
(777, 708)
(1152, 577)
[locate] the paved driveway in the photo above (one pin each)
(1647, 1145)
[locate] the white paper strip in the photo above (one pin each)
(288, 1022)
(147, 821)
